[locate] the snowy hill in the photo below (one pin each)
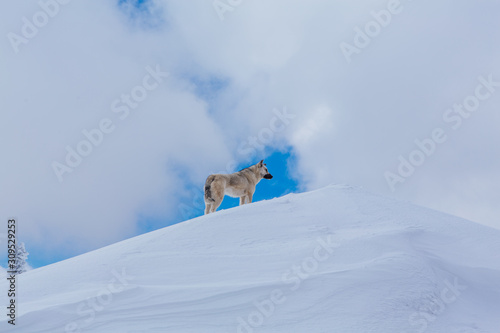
(334, 260)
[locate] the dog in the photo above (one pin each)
(240, 184)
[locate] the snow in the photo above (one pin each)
(338, 259)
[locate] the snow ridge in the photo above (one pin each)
(338, 259)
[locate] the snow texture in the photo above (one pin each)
(338, 259)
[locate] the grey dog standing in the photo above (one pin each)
(240, 184)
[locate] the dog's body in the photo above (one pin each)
(240, 184)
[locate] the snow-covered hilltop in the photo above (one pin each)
(337, 259)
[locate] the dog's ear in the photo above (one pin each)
(261, 163)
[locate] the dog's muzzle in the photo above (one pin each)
(268, 176)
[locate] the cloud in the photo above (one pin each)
(225, 78)
(65, 81)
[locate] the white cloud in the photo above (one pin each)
(353, 119)
(64, 81)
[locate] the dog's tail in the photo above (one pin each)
(208, 189)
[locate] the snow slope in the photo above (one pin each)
(337, 259)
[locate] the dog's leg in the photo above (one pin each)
(208, 208)
(247, 198)
(216, 204)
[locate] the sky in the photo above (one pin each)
(115, 112)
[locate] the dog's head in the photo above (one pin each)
(263, 170)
